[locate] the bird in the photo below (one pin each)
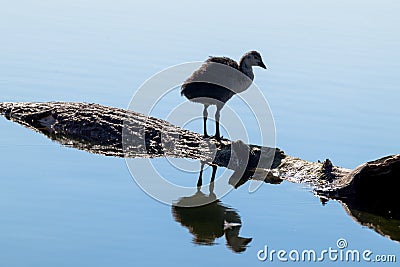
(217, 80)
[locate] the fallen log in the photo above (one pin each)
(122, 133)
(109, 131)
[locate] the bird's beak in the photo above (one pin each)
(261, 64)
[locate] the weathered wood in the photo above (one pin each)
(121, 133)
(370, 188)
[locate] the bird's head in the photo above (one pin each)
(253, 58)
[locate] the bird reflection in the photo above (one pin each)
(210, 221)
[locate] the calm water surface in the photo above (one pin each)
(332, 85)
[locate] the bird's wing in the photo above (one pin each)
(224, 60)
(231, 78)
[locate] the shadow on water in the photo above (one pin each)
(211, 221)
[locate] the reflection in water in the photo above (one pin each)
(369, 193)
(384, 226)
(211, 221)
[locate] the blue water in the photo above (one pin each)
(332, 85)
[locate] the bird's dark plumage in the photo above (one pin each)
(195, 90)
(214, 84)
(224, 60)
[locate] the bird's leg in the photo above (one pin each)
(200, 180)
(205, 115)
(217, 116)
(214, 172)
